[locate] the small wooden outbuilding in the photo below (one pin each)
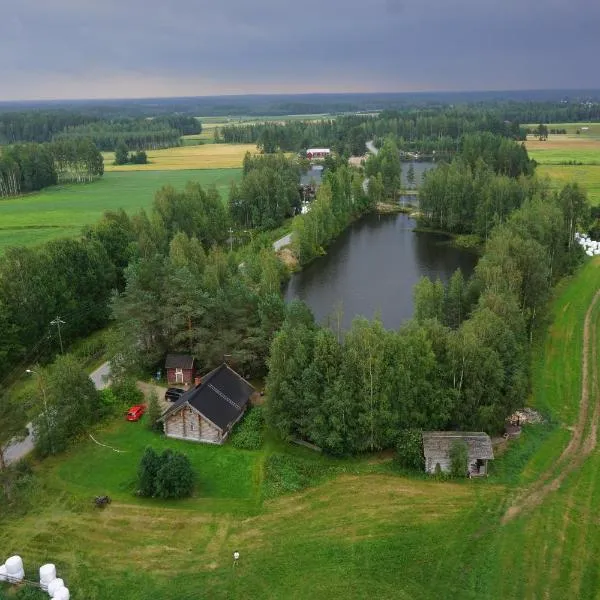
(180, 369)
(208, 411)
(437, 445)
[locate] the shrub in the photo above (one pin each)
(169, 475)
(127, 392)
(248, 434)
(409, 450)
(459, 456)
(147, 471)
(175, 477)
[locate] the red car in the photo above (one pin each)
(135, 412)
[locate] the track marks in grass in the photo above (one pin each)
(584, 437)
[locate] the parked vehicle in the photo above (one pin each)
(173, 394)
(135, 412)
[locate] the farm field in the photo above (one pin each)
(204, 156)
(587, 176)
(62, 210)
(561, 149)
(529, 531)
(583, 151)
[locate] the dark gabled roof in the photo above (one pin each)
(221, 397)
(437, 444)
(179, 361)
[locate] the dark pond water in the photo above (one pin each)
(419, 168)
(373, 266)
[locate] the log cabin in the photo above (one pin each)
(208, 411)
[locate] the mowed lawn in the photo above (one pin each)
(62, 210)
(366, 533)
(205, 156)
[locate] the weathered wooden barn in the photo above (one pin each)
(437, 445)
(180, 368)
(208, 411)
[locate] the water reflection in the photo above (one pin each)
(372, 268)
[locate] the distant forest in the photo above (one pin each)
(294, 104)
(105, 131)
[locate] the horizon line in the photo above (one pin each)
(288, 94)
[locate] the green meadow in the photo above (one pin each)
(341, 528)
(62, 210)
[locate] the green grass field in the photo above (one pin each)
(567, 158)
(365, 531)
(63, 210)
(588, 176)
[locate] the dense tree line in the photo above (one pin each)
(77, 160)
(479, 188)
(27, 168)
(71, 278)
(41, 123)
(462, 363)
(136, 135)
(199, 302)
(268, 192)
(340, 200)
(45, 126)
(344, 134)
(182, 292)
(38, 126)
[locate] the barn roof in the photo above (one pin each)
(179, 361)
(221, 397)
(437, 444)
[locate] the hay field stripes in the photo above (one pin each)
(205, 156)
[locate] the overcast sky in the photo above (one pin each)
(140, 48)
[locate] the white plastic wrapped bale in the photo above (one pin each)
(61, 594)
(14, 565)
(47, 574)
(54, 585)
(2, 573)
(16, 577)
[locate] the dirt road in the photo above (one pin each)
(585, 432)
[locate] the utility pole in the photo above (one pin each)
(58, 322)
(43, 390)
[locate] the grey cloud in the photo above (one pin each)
(278, 45)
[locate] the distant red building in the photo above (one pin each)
(317, 153)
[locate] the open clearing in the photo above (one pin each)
(62, 210)
(206, 156)
(367, 532)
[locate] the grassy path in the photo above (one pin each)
(579, 447)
